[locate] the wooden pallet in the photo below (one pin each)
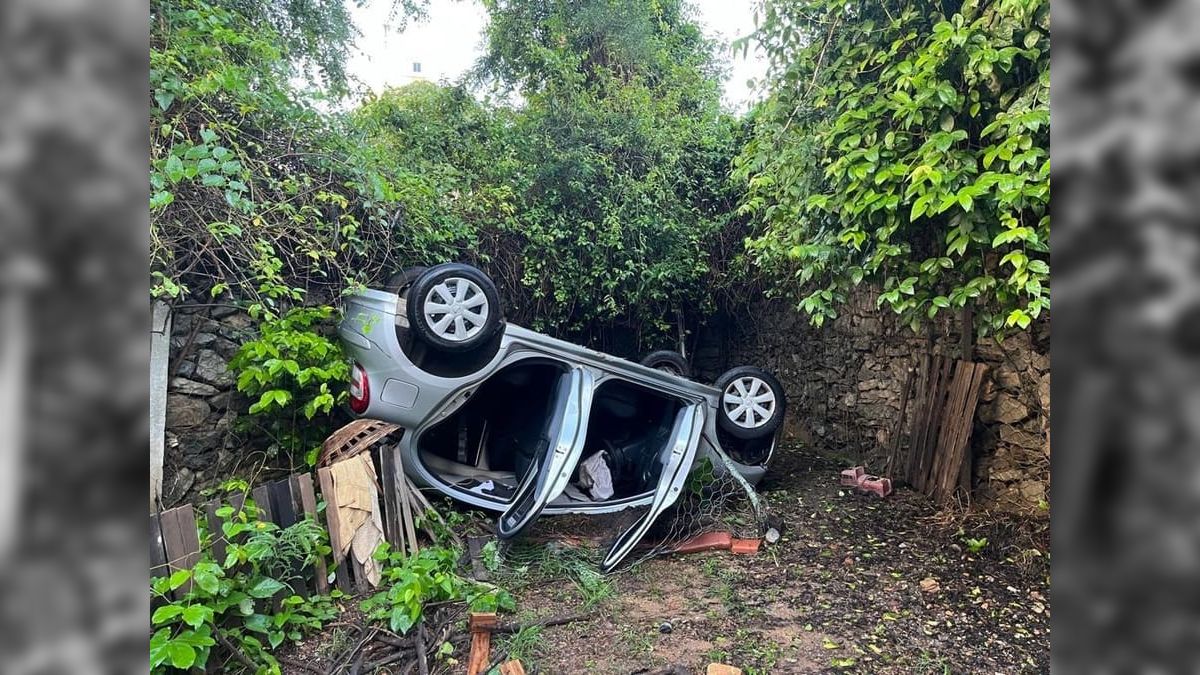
(937, 460)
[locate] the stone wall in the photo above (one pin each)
(200, 439)
(844, 384)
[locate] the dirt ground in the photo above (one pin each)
(856, 584)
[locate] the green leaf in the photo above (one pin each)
(161, 199)
(265, 587)
(174, 169)
(259, 623)
(275, 638)
(400, 621)
(165, 613)
(181, 656)
(164, 99)
(179, 578)
(1039, 267)
(196, 615)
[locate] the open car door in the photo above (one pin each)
(556, 456)
(676, 458)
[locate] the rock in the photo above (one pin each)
(221, 400)
(1006, 409)
(1040, 362)
(1044, 392)
(192, 387)
(237, 324)
(221, 311)
(1031, 492)
(184, 411)
(1007, 378)
(868, 385)
(178, 485)
(930, 585)
(665, 627)
(722, 669)
(1006, 476)
(1022, 439)
(200, 449)
(211, 368)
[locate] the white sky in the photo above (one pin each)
(450, 41)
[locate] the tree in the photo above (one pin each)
(906, 143)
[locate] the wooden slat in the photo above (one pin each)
(924, 436)
(408, 525)
(392, 528)
(303, 487)
(216, 536)
(262, 499)
(920, 412)
(944, 460)
(181, 541)
(283, 507)
(341, 569)
(894, 444)
(158, 556)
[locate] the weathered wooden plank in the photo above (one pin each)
(894, 444)
(181, 541)
(944, 458)
(215, 535)
(283, 508)
(392, 518)
(408, 525)
(303, 486)
(920, 412)
(158, 556)
(341, 566)
(262, 500)
(934, 403)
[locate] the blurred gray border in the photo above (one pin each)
(74, 247)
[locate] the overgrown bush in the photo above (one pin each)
(296, 375)
(230, 601)
(905, 143)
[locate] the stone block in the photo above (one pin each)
(1022, 439)
(183, 385)
(1006, 409)
(185, 411)
(213, 369)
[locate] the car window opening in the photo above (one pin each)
(487, 445)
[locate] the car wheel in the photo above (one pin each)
(668, 362)
(752, 403)
(453, 307)
(400, 282)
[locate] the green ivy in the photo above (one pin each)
(905, 143)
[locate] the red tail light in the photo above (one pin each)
(360, 390)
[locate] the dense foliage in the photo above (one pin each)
(244, 602)
(905, 142)
(602, 205)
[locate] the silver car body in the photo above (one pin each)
(405, 394)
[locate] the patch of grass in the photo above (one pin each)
(636, 641)
(526, 645)
(554, 562)
(932, 664)
(336, 645)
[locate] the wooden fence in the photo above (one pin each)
(175, 533)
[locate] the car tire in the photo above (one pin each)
(472, 312)
(667, 361)
(400, 282)
(752, 403)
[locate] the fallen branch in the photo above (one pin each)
(237, 653)
(553, 621)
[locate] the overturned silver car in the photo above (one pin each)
(508, 419)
